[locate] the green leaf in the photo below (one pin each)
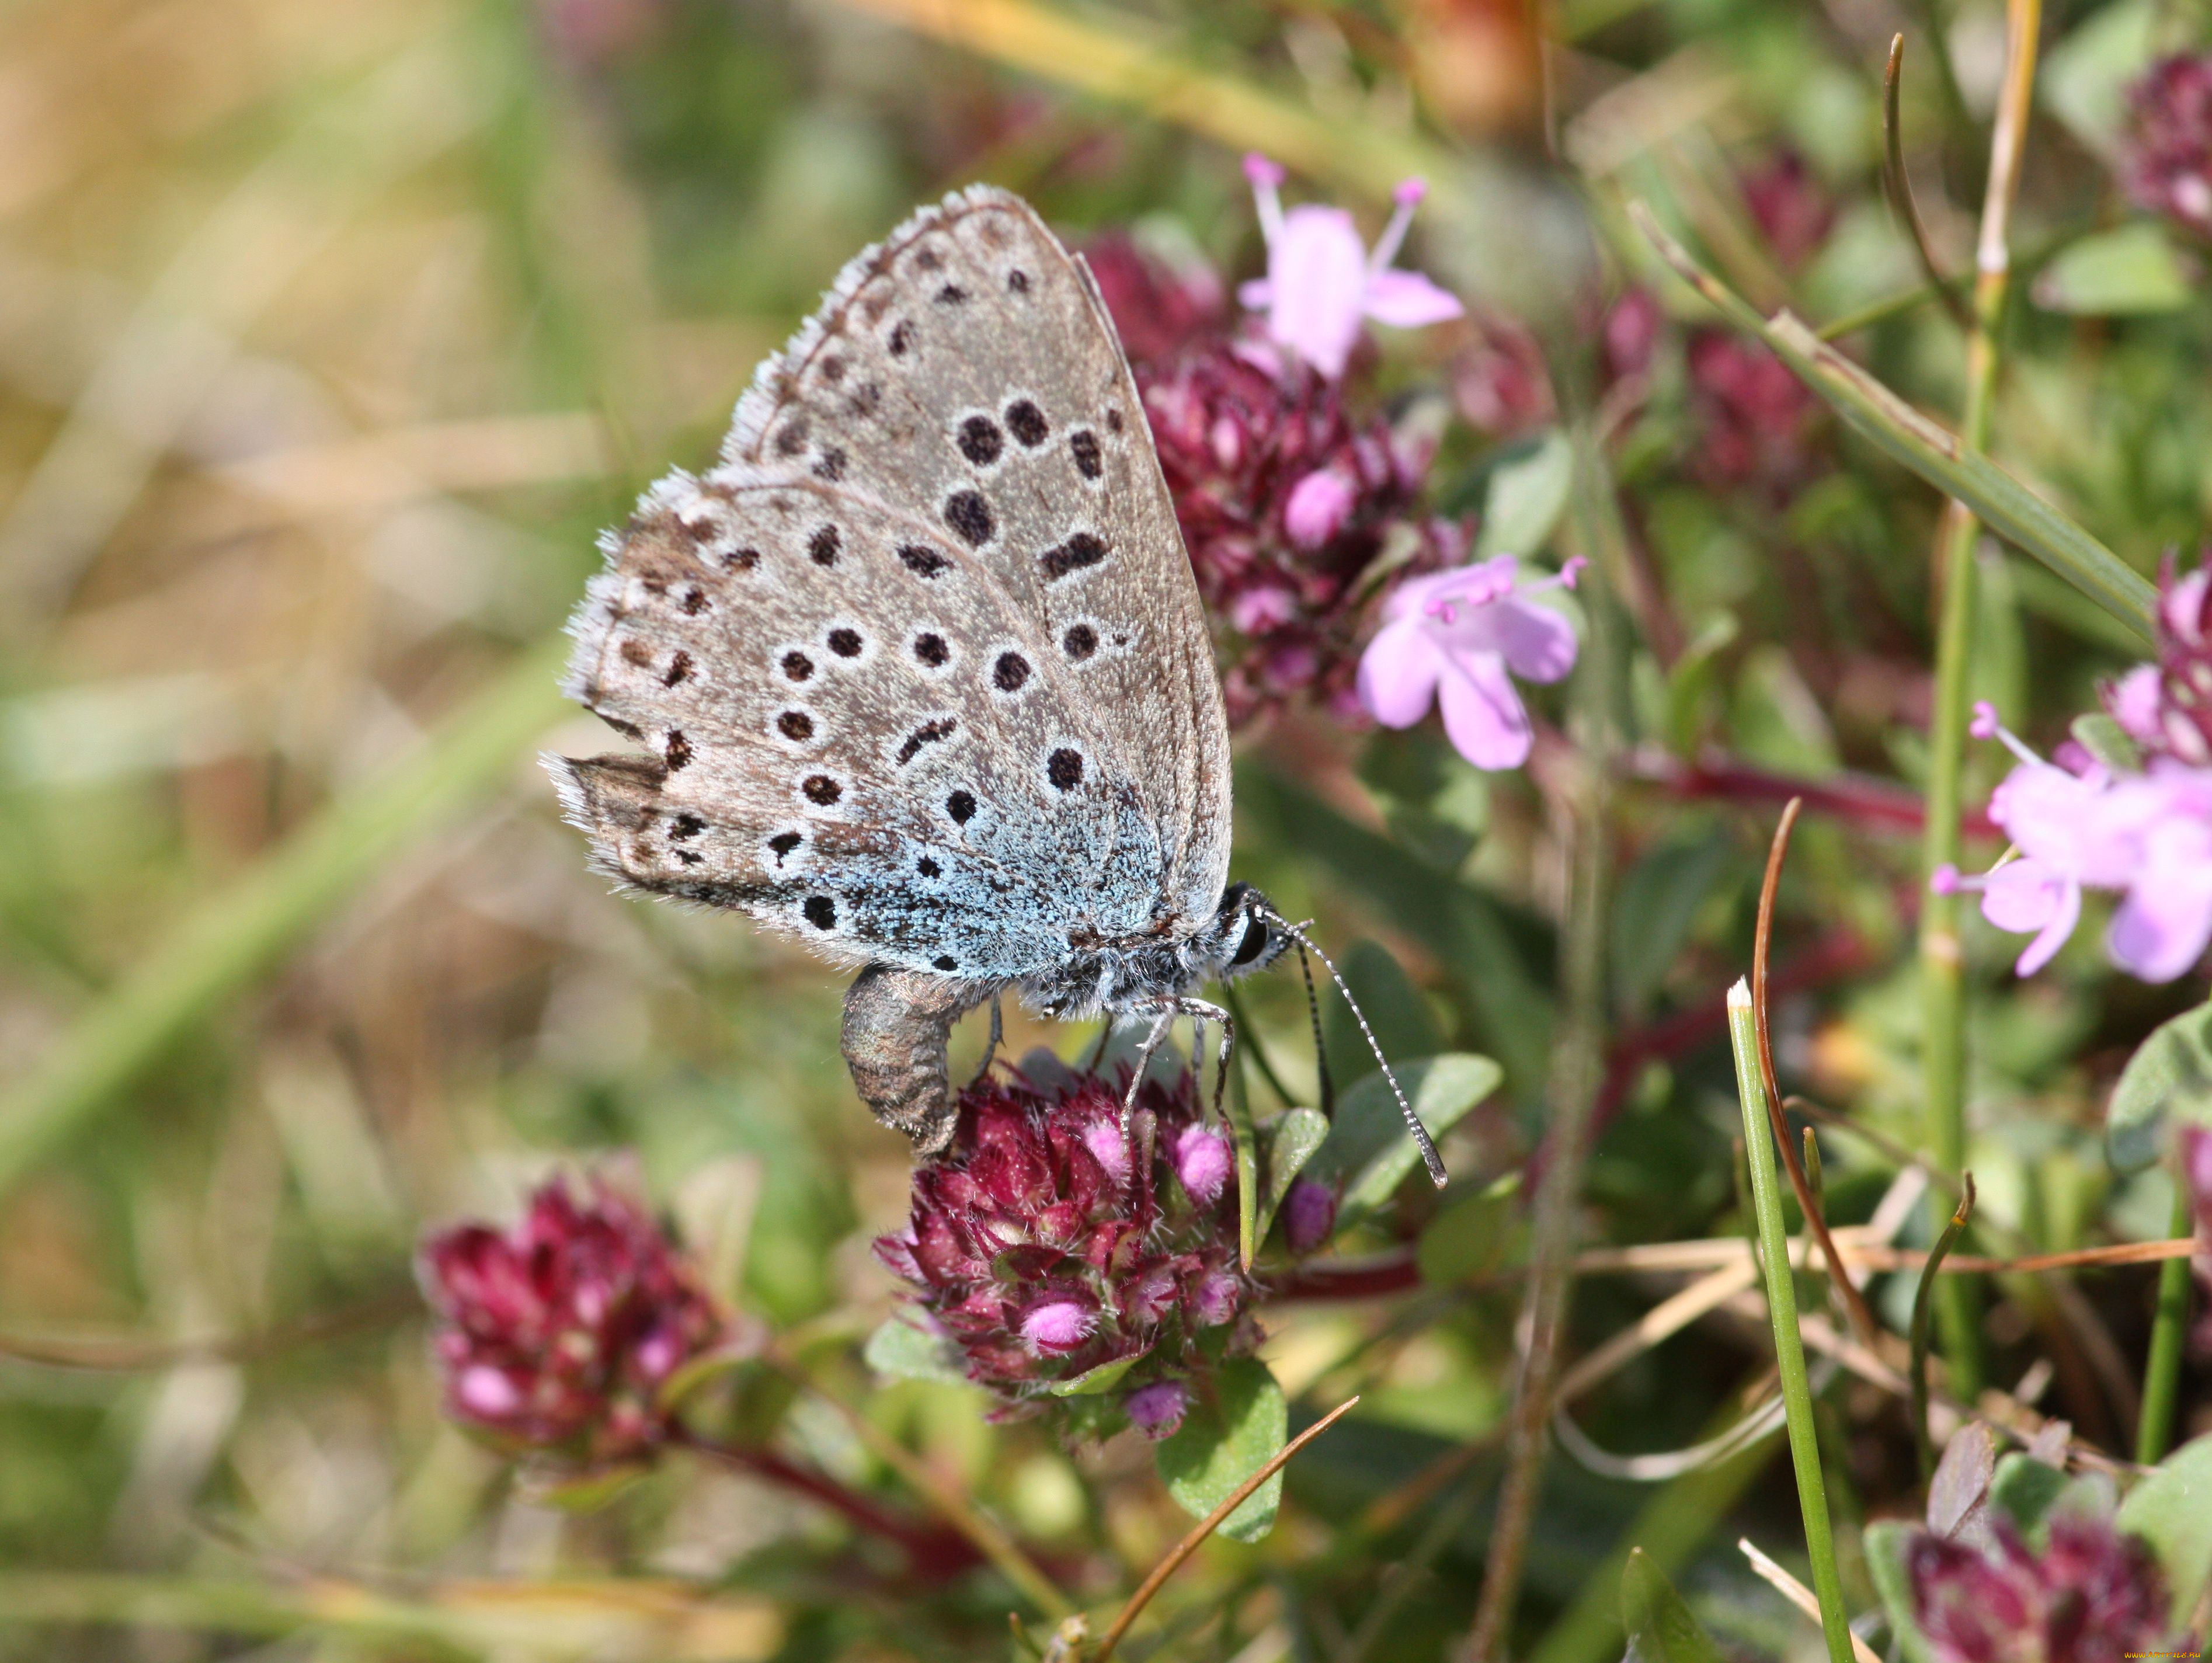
(2171, 1509)
(1435, 803)
(1093, 1381)
(2170, 1076)
(1223, 1440)
(1527, 495)
(1657, 1620)
(2132, 269)
(586, 1492)
(2108, 742)
(2023, 1488)
(1397, 1011)
(1658, 905)
(1369, 1151)
(2085, 77)
(1999, 500)
(1500, 956)
(1886, 1545)
(898, 1350)
(1473, 1234)
(1287, 1142)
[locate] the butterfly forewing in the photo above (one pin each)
(920, 668)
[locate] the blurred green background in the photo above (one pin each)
(331, 335)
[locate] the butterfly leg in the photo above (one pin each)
(1203, 1012)
(1164, 1021)
(990, 1051)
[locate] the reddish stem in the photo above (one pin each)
(1837, 954)
(1855, 798)
(931, 1552)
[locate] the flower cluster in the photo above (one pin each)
(558, 1335)
(1792, 211)
(1288, 486)
(2167, 708)
(2166, 161)
(2090, 1596)
(1754, 420)
(1451, 638)
(1285, 501)
(2147, 833)
(1047, 1247)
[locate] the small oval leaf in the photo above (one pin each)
(2168, 1078)
(1225, 1438)
(1657, 1620)
(899, 1350)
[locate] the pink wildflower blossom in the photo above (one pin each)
(1321, 282)
(1451, 638)
(2090, 1596)
(2147, 835)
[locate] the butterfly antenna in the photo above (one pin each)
(1320, 1050)
(1429, 1158)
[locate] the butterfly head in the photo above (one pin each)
(1245, 934)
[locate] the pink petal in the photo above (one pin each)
(2022, 894)
(2163, 928)
(1061, 1326)
(1484, 717)
(1202, 1161)
(2134, 702)
(1257, 293)
(1398, 673)
(1318, 274)
(1539, 644)
(1317, 506)
(1407, 299)
(2030, 895)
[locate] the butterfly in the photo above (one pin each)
(919, 669)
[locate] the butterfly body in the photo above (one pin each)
(919, 671)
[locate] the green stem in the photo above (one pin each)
(2162, 1371)
(1943, 1004)
(1575, 1070)
(1788, 1345)
(240, 931)
(1923, 1302)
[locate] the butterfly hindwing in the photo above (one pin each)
(919, 667)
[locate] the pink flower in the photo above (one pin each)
(1056, 1327)
(557, 1335)
(2166, 706)
(1309, 1214)
(1451, 638)
(2147, 835)
(2166, 162)
(1287, 491)
(1322, 281)
(2090, 1596)
(1791, 209)
(1318, 507)
(1202, 1161)
(1042, 1250)
(1158, 1410)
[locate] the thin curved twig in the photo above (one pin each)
(1808, 1204)
(1898, 187)
(1206, 1528)
(1923, 1440)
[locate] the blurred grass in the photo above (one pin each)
(329, 336)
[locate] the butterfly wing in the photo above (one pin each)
(920, 667)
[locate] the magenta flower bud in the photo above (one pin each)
(1944, 880)
(1217, 1298)
(1309, 1214)
(1157, 1409)
(1265, 172)
(1055, 1329)
(1318, 507)
(1984, 725)
(1203, 1159)
(556, 1335)
(1042, 1246)
(1409, 192)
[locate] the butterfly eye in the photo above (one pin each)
(1254, 942)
